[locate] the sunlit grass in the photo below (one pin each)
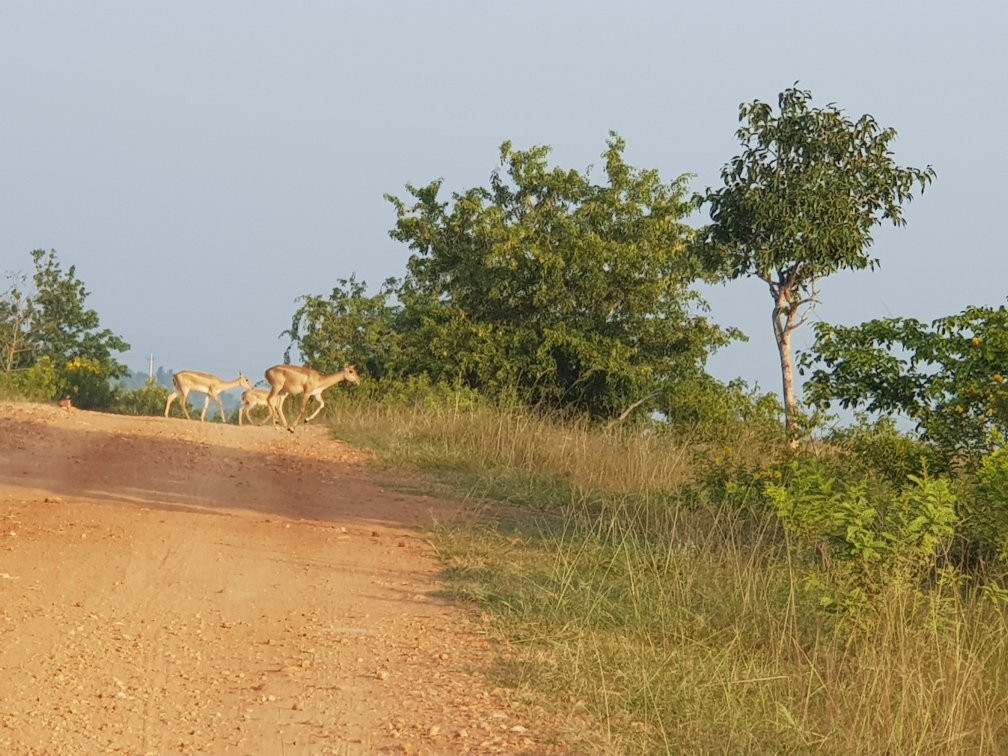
(661, 620)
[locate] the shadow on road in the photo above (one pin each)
(171, 464)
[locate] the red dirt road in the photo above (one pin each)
(173, 586)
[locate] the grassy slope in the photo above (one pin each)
(626, 596)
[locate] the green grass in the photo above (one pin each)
(663, 620)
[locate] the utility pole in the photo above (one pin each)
(150, 368)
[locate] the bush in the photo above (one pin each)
(946, 376)
(417, 391)
(875, 535)
(39, 383)
(709, 410)
(146, 400)
(984, 509)
(880, 449)
(87, 384)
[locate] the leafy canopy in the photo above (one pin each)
(801, 200)
(52, 325)
(948, 376)
(62, 328)
(574, 293)
(348, 327)
(800, 203)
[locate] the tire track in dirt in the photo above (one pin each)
(176, 586)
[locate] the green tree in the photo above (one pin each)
(347, 327)
(148, 399)
(574, 293)
(61, 327)
(50, 335)
(16, 309)
(948, 376)
(800, 203)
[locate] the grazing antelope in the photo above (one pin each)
(253, 397)
(193, 380)
(294, 379)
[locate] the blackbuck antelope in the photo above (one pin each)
(285, 380)
(193, 380)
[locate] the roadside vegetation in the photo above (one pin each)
(670, 562)
(693, 592)
(52, 345)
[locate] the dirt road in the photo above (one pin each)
(173, 586)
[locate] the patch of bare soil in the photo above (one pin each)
(168, 585)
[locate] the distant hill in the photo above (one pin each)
(137, 380)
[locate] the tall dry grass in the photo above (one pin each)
(663, 618)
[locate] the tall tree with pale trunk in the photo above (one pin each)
(800, 203)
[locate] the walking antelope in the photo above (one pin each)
(193, 380)
(285, 380)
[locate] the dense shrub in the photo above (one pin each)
(946, 376)
(984, 510)
(708, 410)
(415, 392)
(875, 535)
(880, 449)
(39, 383)
(574, 295)
(146, 400)
(87, 384)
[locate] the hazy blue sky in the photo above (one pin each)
(205, 163)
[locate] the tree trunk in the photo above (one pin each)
(11, 347)
(787, 380)
(784, 323)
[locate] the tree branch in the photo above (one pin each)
(623, 416)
